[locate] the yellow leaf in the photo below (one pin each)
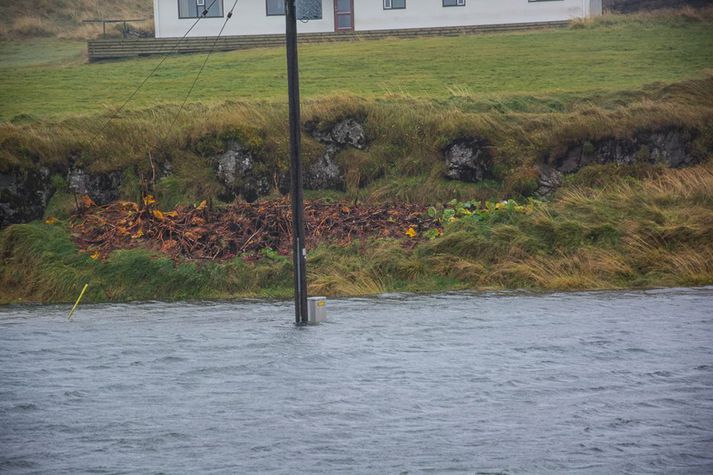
(171, 214)
(149, 200)
(410, 232)
(138, 234)
(95, 255)
(51, 220)
(128, 206)
(202, 205)
(158, 215)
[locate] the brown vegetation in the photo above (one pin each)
(63, 18)
(244, 230)
(627, 233)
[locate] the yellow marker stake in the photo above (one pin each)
(76, 304)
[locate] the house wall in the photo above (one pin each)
(370, 14)
(250, 16)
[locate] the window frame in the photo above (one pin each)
(267, 10)
(459, 3)
(321, 12)
(391, 7)
(206, 4)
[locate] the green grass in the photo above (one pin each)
(41, 52)
(126, 275)
(619, 54)
(655, 231)
(404, 157)
(527, 94)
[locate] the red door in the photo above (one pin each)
(343, 15)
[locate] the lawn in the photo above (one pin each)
(47, 79)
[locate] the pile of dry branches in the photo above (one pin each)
(198, 232)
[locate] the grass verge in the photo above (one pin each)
(631, 233)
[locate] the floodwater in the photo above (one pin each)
(497, 383)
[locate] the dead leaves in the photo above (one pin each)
(197, 232)
(86, 202)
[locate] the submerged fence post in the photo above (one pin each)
(298, 228)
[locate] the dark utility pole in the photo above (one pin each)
(298, 227)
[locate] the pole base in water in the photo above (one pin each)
(316, 310)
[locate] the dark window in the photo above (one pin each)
(275, 7)
(394, 4)
(306, 9)
(195, 8)
(453, 3)
(309, 9)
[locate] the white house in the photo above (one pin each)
(259, 17)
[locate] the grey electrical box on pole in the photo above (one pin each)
(298, 228)
(317, 309)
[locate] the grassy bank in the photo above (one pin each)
(655, 231)
(530, 97)
(611, 54)
(406, 139)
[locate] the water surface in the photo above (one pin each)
(511, 383)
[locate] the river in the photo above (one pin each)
(594, 382)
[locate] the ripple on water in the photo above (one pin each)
(75, 394)
(25, 407)
(170, 359)
(462, 383)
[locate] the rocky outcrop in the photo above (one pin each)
(468, 160)
(344, 133)
(671, 148)
(102, 188)
(24, 194)
(236, 171)
(239, 172)
(325, 173)
(550, 179)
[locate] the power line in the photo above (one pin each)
(153, 71)
(200, 71)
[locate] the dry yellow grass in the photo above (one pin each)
(587, 268)
(685, 183)
(355, 283)
(63, 18)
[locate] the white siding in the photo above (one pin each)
(251, 19)
(370, 14)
